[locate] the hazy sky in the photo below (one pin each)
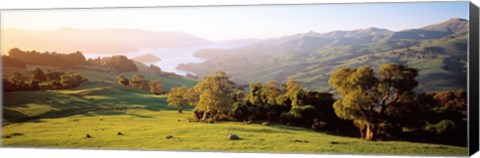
(234, 22)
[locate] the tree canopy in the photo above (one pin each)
(176, 97)
(216, 94)
(366, 96)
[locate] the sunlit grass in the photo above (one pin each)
(100, 108)
(147, 130)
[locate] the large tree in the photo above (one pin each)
(156, 87)
(366, 96)
(216, 94)
(38, 74)
(176, 98)
(270, 91)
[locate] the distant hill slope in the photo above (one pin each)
(95, 41)
(439, 51)
(450, 27)
(147, 58)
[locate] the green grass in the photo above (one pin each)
(21, 106)
(62, 118)
(98, 93)
(146, 130)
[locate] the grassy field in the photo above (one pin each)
(147, 130)
(100, 108)
(98, 93)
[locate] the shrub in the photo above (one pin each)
(240, 111)
(155, 87)
(139, 82)
(54, 75)
(71, 80)
(38, 74)
(441, 127)
(122, 80)
(272, 116)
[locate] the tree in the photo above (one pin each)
(255, 97)
(270, 91)
(139, 82)
(122, 80)
(74, 59)
(71, 80)
(263, 97)
(216, 94)
(54, 75)
(176, 98)
(17, 79)
(38, 74)
(366, 98)
(120, 63)
(156, 87)
(46, 58)
(291, 87)
(192, 97)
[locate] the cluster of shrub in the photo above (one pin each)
(115, 64)
(216, 98)
(19, 58)
(119, 63)
(39, 80)
(140, 82)
(438, 117)
(158, 71)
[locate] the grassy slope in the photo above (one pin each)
(99, 93)
(149, 120)
(313, 67)
(147, 130)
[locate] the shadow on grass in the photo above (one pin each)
(79, 101)
(115, 112)
(237, 129)
(285, 127)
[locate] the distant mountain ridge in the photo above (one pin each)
(95, 41)
(455, 25)
(437, 50)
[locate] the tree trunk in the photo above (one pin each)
(204, 117)
(361, 129)
(180, 109)
(371, 133)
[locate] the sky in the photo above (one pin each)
(240, 22)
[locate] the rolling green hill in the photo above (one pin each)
(99, 93)
(438, 51)
(101, 109)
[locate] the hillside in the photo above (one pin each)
(95, 41)
(99, 93)
(439, 51)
